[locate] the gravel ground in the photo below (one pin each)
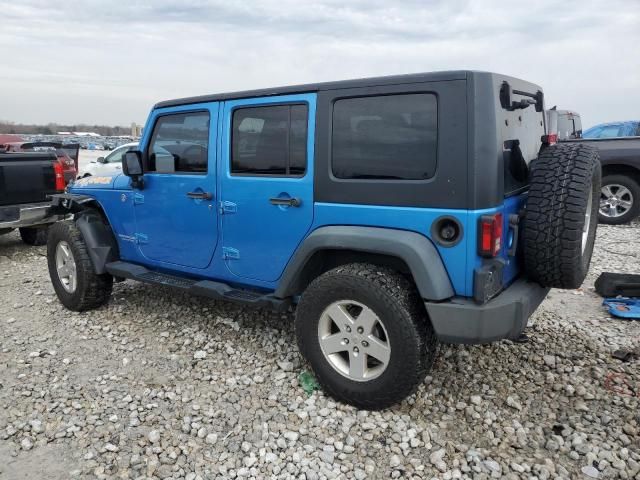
(160, 385)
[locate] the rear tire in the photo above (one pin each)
(74, 280)
(560, 220)
(619, 199)
(34, 236)
(389, 347)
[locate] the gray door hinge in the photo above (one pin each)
(229, 253)
(227, 207)
(141, 238)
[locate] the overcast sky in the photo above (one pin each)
(108, 62)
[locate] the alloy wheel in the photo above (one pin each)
(354, 340)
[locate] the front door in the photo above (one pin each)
(176, 216)
(267, 182)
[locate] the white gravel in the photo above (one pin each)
(161, 385)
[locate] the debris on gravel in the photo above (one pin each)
(160, 385)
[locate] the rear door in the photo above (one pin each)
(176, 217)
(266, 182)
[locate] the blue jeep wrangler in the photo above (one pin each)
(392, 213)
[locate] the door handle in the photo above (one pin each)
(286, 202)
(200, 195)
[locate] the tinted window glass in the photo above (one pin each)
(180, 143)
(270, 140)
(385, 137)
(298, 139)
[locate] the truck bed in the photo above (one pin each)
(621, 151)
(26, 177)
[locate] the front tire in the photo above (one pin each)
(74, 280)
(34, 236)
(619, 199)
(366, 334)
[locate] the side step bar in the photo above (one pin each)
(204, 288)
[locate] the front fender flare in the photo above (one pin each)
(98, 237)
(416, 250)
(65, 203)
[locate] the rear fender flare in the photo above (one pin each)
(414, 249)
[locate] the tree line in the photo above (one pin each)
(53, 128)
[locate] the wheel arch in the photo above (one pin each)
(65, 203)
(621, 169)
(407, 252)
(93, 223)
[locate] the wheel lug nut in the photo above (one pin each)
(356, 349)
(360, 330)
(365, 344)
(347, 328)
(346, 341)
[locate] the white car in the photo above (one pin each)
(109, 165)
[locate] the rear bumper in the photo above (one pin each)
(27, 215)
(461, 320)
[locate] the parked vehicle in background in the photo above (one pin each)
(614, 130)
(66, 153)
(563, 125)
(391, 210)
(109, 165)
(26, 181)
(620, 192)
(6, 139)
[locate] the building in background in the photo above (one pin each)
(136, 130)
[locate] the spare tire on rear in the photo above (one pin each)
(562, 215)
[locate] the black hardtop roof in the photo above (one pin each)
(315, 87)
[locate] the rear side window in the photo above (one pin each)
(385, 137)
(269, 140)
(179, 143)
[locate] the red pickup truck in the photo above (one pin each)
(67, 153)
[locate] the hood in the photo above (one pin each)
(95, 182)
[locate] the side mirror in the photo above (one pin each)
(100, 160)
(132, 167)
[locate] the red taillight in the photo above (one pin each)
(490, 235)
(550, 139)
(59, 172)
